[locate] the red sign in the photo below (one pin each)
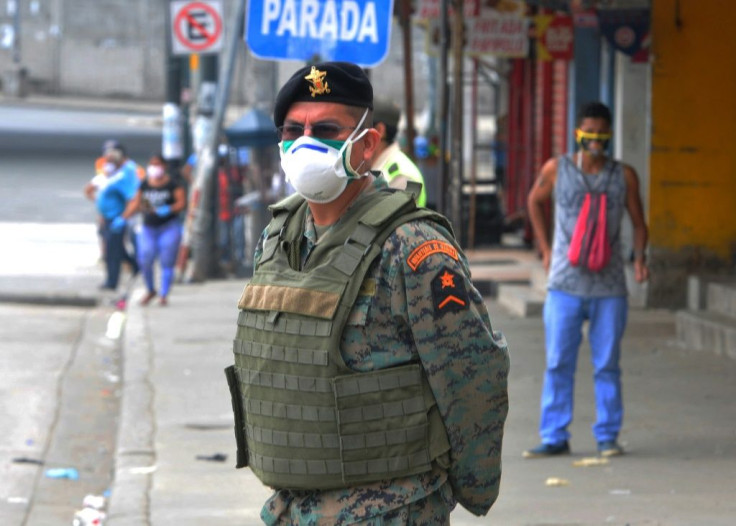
(197, 27)
(555, 36)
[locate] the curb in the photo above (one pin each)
(135, 454)
(84, 104)
(53, 300)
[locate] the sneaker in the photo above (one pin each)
(548, 450)
(610, 448)
(163, 301)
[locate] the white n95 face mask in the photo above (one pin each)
(319, 169)
(155, 171)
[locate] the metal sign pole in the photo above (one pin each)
(408, 78)
(202, 240)
(442, 204)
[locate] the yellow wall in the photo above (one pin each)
(693, 160)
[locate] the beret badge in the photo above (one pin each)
(317, 80)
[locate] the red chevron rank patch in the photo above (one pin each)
(448, 292)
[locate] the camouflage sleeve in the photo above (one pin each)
(466, 364)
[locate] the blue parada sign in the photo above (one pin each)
(356, 31)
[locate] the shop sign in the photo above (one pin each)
(555, 37)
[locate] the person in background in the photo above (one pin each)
(230, 231)
(160, 199)
(388, 157)
(115, 203)
(578, 293)
(93, 186)
(134, 225)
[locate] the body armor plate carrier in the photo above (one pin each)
(303, 419)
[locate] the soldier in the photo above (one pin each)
(388, 158)
(368, 384)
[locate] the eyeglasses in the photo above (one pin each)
(320, 130)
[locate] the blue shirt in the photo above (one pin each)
(121, 187)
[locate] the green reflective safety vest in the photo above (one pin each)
(399, 164)
(303, 419)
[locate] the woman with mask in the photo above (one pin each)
(160, 199)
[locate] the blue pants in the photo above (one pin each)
(115, 254)
(160, 242)
(563, 319)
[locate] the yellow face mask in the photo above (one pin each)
(584, 138)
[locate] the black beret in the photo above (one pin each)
(340, 82)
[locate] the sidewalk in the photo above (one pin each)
(679, 432)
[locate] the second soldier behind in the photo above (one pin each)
(395, 165)
(368, 384)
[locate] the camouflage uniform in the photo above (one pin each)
(399, 321)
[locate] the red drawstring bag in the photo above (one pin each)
(589, 245)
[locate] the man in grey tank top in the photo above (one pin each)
(576, 292)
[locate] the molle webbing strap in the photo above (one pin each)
(400, 408)
(382, 439)
(294, 467)
(274, 437)
(355, 247)
(288, 382)
(417, 462)
(282, 354)
(291, 411)
(356, 470)
(358, 384)
(257, 320)
(361, 239)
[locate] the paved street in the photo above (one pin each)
(59, 383)
(679, 429)
(146, 414)
(60, 366)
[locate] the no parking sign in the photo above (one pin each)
(196, 27)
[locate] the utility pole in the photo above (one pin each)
(408, 76)
(14, 5)
(204, 262)
(443, 179)
(171, 137)
(456, 181)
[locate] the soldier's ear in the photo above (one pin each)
(370, 142)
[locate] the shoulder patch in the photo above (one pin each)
(448, 292)
(428, 248)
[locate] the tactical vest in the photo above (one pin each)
(303, 419)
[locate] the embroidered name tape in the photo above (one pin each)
(428, 248)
